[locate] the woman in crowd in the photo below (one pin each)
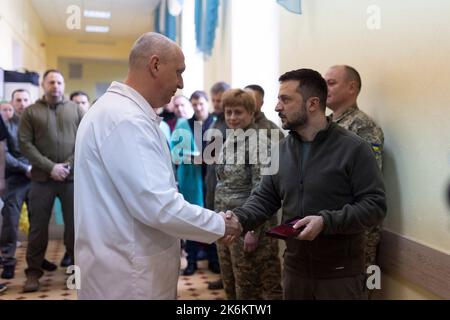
(238, 173)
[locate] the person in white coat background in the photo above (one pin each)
(129, 216)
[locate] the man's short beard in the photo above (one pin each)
(301, 121)
(54, 99)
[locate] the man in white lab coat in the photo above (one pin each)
(129, 217)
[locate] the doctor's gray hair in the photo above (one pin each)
(150, 43)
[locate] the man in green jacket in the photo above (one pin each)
(329, 179)
(47, 134)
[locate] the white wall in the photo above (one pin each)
(246, 49)
(255, 48)
(193, 75)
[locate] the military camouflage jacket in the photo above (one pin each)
(362, 125)
(237, 175)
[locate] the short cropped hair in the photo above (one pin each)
(257, 88)
(353, 75)
(219, 87)
(46, 73)
(198, 94)
(19, 90)
(78, 93)
(150, 43)
(311, 84)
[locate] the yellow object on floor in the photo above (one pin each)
(24, 223)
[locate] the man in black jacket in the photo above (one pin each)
(329, 178)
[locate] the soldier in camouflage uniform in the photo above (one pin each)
(242, 263)
(344, 85)
(271, 286)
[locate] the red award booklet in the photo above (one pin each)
(285, 230)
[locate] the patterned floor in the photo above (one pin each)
(53, 284)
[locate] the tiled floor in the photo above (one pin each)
(53, 284)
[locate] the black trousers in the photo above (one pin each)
(17, 187)
(193, 247)
(41, 199)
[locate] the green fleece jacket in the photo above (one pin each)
(47, 136)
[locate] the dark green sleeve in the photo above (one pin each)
(369, 206)
(28, 149)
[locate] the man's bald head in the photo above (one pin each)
(150, 44)
(155, 70)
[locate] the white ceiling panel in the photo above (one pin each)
(129, 18)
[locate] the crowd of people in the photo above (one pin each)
(148, 172)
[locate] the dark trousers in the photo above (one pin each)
(17, 187)
(41, 199)
(193, 247)
(300, 288)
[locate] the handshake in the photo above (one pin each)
(233, 227)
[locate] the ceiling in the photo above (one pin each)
(129, 18)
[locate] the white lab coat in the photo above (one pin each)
(129, 217)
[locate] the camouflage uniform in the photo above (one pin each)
(361, 124)
(242, 271)
(271, 286)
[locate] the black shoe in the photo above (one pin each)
(48, 266)
(190, 269)
(216, 285)
(66, 261)
(8, 272)
(214, 267)
(3, 287)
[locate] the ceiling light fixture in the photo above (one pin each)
(102, 29)
(97, 14)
